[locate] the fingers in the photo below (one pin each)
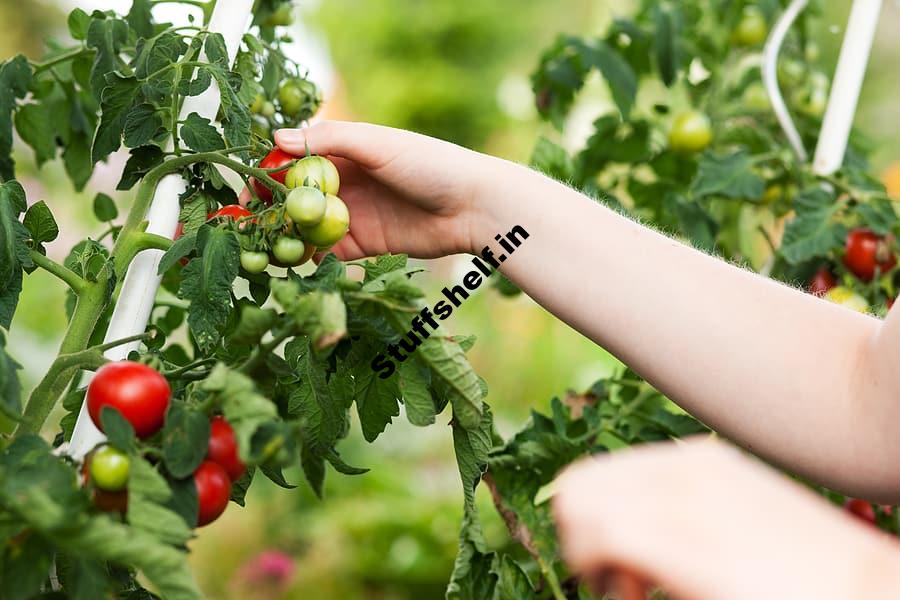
(370, 146)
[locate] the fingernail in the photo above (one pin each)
(291, 136)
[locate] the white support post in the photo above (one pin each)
(132, 310)
(848, 80)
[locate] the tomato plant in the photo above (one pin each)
(232, 380)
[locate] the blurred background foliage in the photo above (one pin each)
(459, 71)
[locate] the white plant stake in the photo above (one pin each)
(132, 310)
(845, 88)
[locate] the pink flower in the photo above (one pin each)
(270, 566)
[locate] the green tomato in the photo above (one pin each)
(752, 29)
(332, 227)
(109, 469)
(756, 98)
(691, 132)
(812, 101)
(299, 98)
(306, 206)
(847, 298)
(289, 251)
(258, 103)
(282, 17)
(268, 109)
(254, 262)
(314, 171)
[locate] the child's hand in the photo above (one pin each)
(407, 193)
(706, 522)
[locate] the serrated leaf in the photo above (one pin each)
(141, 162)
(14, 251)
(185, 437)
(454, 378)
(182, 247)
(618, 73)
(15, 78)
(414, 383)
(200, 135)
(141, 125)
(107, 37)
(10, 387)
(377, 399)
(206, 284)
(118, 431)
(40, 222)
(118, 96)
(729, 175)
(472, 445)
(104, 208)
(812, 232)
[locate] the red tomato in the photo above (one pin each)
(822, 282)
(231, 211)
(223, 448)
(273, 160)
(865, 251)
(861, 510)
(213, 491)
(139, 393)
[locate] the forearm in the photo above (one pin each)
(777, 370)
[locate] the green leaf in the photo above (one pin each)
(142, 124)
(207, 282)
(78, 22)
(15, 78)
(383, 264)
(118, 431)
(40, 222)
(107, 37)
(140, 18)
(118, 96)
(148, 493)
(35, 125)
(414, 383)
(472, 446)
(697, 224)
(182, 247)
(216, 50)
(155, 54)
(474, 574)
(377, 399)
(104, 208)
(185, 437)
(14, 252)
(878, 215)
(665, 42)
(10, 387)
(552, 160)
(320, 315)
(512, 582)
(200, 135)
(618, 73)
(730, 176)
(243, 406)
(454, 378)
(812, 232)
(141, 162)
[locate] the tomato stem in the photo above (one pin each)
(67, 276)
(64, 57)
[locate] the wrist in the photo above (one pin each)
(497, 186)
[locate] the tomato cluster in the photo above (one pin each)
(141, 395)
(867, 255)
(298, 99)
(287, 232)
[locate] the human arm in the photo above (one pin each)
(803, 382)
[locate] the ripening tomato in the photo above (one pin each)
(861, 510)
(257, 105)
(314, 171)
(109, 469)
(822, 282)
(235, 212)
(254, 262)
(139, 393)
(306, 206)
(223, 448)
(752, 29)
(866, 252)
(213, 491)
(274, 159)
(691, 132)
(332, 227)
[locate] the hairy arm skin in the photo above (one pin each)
(810, 385)
(802, 382)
